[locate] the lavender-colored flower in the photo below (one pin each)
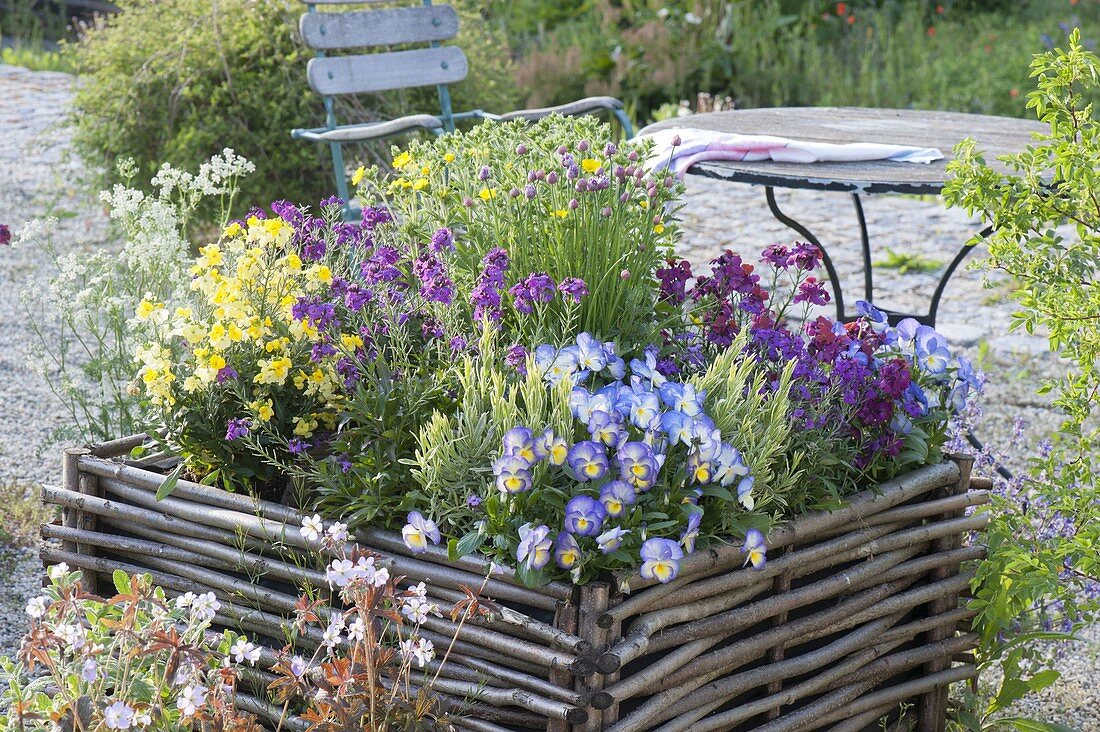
(645, 411)
(660, 560)
(534, 289)
(755, 548)
(517, 359)
(678, 426)
(513, 474)
(236, 428)
(520, 442)
(907, 330)
(573, 288)
(878, 320)
(565, 366)
(611, 539)
(647, 369)
(584, 516)
(966, 373)
(805, 256)
(458, 344)
(729, 465)
(777, 255)
(558, 450)
(534, 546)
(933, 353)
(744, 492)
(699, 467)
(682, 398)
(615, 496)
(591, 355)
(473, 500)
(606, 428)
(616, 367)
(588, 460)
(418, 532)
(691, 532)
(567, 552)
(638, 465)
(297, 445)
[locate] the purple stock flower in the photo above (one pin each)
(812, 291)
(584, 516)
(805, 256)
(236, 428)
(536, 288)
(517, 359)
(318, 312)
(443, 240)
(777, 255)
(226, 373)
(573, 288)
(297, 445)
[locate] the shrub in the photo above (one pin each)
(177, 81)
(1042, 572)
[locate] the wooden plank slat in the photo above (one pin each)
(382, 71)
(368, 28)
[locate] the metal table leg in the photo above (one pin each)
(928, 318)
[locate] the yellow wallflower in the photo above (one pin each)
(273, 371)
(262, 409)
(211, 256)
(351, 341)
(216, 362)
(420, 184)
(145, 309)
(304, 426)
(233, 230)
(293, 262)
(357, 176)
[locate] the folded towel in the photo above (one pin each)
(698, 146)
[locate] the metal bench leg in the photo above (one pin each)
(865, 243)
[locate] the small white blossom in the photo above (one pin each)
(191, 698)
(312, 528)
(37, 606)
(185, 600)
(205, 606)
(118, 716)
(243, 651)
(58, 571)
(341, 572)
(298, 666)
(338, 533)
(89, 671)
(331, 637)
(419, 590)
(381, 577)
(71, 635)
(357, 631)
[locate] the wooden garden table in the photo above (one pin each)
(995, 136)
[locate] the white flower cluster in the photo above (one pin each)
(343, 572)
(203, 607)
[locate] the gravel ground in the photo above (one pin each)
(37, 179)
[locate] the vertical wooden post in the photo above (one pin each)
(594, 598)
(932, 707)
(781, 585)
(565, 618)
(74, 518)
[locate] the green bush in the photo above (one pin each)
(177, 81)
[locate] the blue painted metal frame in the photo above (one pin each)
(447, 116)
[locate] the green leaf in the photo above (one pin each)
(1023, 724)
(169, 483)
(452, 550)
(137, 452)
(122, 582)
(468, 544)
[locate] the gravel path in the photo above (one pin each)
(36, 179)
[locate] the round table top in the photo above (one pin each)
(943, 130)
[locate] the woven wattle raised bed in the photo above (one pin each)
(856, 613)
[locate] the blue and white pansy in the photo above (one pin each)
(629, 477)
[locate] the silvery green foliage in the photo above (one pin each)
(83, 319)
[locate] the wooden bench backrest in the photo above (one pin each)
(382, 70)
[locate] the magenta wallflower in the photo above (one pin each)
(5, 235)
(812, 291)
(573, 288)
(517, 359)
